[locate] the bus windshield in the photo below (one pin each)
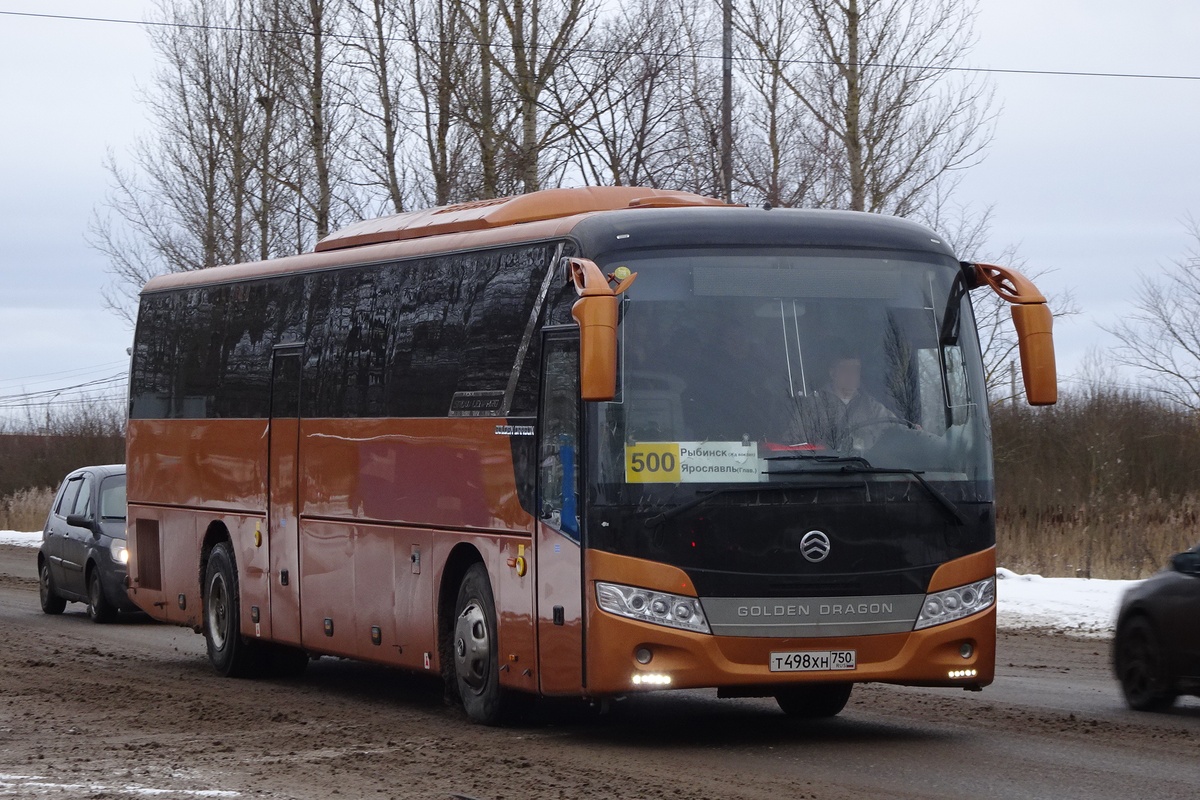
(754, 365)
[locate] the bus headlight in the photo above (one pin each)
(952, 604)
(660, 608)
(119, 553)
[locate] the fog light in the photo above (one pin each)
(962, 673)
(643, 655)
(966, 650)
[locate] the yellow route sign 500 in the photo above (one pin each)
(652, 462)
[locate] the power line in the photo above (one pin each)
(49, 377)
(604, 51)
(110, 382)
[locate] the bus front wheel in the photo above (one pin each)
(476, 666)
(230, 654)
(814, 701)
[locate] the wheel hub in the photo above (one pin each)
(217, 610)
(472, 647)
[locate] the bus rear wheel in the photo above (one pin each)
(815, 700)
(476, 666)
(230, 654)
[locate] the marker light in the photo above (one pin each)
(942, 607)
(650, 679)
(660, 608)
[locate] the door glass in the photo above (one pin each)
(84, 499)
(558, 452)
(67, 501)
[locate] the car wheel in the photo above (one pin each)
(476, 666)
(51, 602)
(1141, 667)
(230, 655)
(815, 701)
(99, 609)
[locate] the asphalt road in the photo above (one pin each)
(133, 710)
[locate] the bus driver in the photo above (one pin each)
(840, 414)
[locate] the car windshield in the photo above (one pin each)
(112, 498)
(748, 366)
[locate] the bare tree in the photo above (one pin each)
(1162, 335)
(876, 78)
(168, 213)
(376, 28)
(527, 42)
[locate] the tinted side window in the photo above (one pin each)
(403, 339)
(83, 500)
(67, 501)
(206, 352)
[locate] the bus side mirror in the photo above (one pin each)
(1035, 342)
(1034, 324)
(596, 313)
(597, 318)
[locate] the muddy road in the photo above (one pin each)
(132, 710)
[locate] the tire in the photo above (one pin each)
(230, 655)
(99, 609)
(474, 648)
(1141, 667)
(815, 701)
(51, 602)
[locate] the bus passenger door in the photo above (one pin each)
(283, 494)
(558, 555)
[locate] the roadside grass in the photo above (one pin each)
(1123, 537)
(25, 510)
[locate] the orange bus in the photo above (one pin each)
(583, 442)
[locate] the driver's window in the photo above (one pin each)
(558, 449)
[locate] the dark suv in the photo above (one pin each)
(83, 556)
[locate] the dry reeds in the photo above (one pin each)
(1104, 485)
(25, 510)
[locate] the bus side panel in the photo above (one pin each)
(513, 593)
(451, 473)
(164, 560)
(356, 577)
(200, 463)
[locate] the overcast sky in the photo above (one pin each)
(1089, 177)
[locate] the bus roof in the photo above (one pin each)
(547, 214)
(482, 214)
(601, 218)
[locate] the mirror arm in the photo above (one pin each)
(1034, 323)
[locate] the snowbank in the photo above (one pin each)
(22, 539)
(1068, 605)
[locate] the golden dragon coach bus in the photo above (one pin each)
(583, 442)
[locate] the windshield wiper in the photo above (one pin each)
(857, 465)
(705, 496)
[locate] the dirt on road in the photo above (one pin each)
(133, 709)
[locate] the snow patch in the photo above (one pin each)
(21, 538)
(1077, 606)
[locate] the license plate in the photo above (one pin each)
(814, 661)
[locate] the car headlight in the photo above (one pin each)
(660, 608)
(951, 604)
(119, 553)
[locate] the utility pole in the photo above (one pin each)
(727, 100)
